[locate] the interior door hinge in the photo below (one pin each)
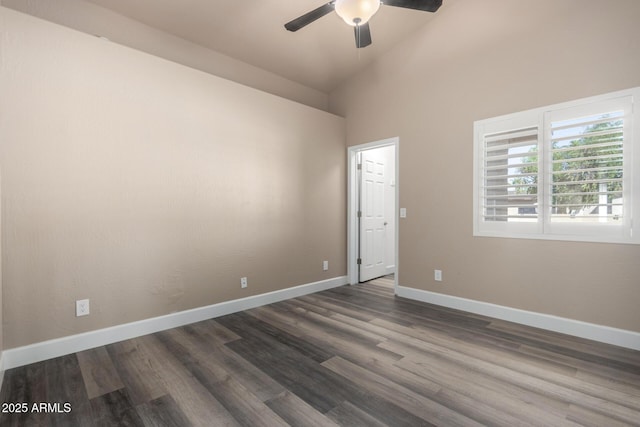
(359, 214)
(359, 261)
(359, 167)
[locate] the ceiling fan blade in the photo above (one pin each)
(309, 17)
(363, 35)
(425, 5)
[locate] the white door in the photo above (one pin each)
(372, 217)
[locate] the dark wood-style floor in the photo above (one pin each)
(352, 356)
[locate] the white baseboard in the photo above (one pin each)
(605, 334)
(37, 352)
(390, 269)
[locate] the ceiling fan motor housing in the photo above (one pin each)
(356, 12)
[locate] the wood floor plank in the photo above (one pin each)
(137, 371)
(261, 385)
(587, 418)
(333, 326)
(162, 412)
(296, 412)
(373, 288)
(193, 399)
(517, 359)
(414, 403)
(212, 331)
(52, 383)
(326, 304)
(241, 403)
(65, 385)
(421, 311)
(322, 328)
(610, 375)
(245, 408)
(319, 387)
(346, 414)
(26, 384)
(278, 320)
(354, 296)
(353, 305)
(471, 393)
(533, 384)
(602, 350)
(433, 343)
(252, 328)
(13, 390)
(385, 282)
(294, 370)
(575, 351)
(99, 374)
(336, 341)
(115, 409)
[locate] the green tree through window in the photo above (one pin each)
(587, 164)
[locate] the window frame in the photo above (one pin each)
(544, 228)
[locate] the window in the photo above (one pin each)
(562, 172)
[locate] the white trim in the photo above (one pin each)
(352, 205)
(37, 352)
(592, 331)
(543, 229)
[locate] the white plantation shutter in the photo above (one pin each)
(586, 176)
(564, 172)
(510, 179)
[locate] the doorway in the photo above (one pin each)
(372, 210)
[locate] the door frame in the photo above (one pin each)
(352, 205)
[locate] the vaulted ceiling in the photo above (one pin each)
(320, 56)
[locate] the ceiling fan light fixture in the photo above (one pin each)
(356, 12)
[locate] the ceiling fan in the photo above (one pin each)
(357, 14)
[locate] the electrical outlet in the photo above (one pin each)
(243, 282)
(437, 275)
(82, 307)
(325, 265)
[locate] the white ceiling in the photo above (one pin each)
(320, 56)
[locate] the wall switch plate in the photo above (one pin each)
(437, 275)
(82, 307)
(325, 265)
(403, 212)
(243, 282)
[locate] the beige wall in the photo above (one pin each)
(1, 318)
(480, 59)
(149, 187)
(95, 20)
